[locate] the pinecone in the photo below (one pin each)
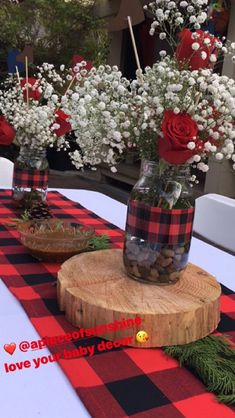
(39, 210)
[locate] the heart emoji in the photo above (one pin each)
(10, 348)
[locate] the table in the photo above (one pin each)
(46, 392)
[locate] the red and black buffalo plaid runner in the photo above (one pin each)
(117, 383)
(38, 179)
(157, 225)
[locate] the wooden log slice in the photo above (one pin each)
(94, 289)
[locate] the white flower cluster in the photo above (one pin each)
(170, 16)
(99, 115)
(34, 121)
(109, 114)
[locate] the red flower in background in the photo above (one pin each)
(185, 54)
(178, 131)
(33, 90)
(61, 119)
(7, 132)
(77, 59)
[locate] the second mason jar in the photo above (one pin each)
(30, 177)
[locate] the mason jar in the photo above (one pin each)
(159, 224)
(30, 177)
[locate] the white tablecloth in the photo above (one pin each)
(45, 392)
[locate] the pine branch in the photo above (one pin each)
(99, 243)
(227, 399)
(213, 360)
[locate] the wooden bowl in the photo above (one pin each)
(54, 240)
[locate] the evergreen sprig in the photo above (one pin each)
(99, 243)
(212, 359)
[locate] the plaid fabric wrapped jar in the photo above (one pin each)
(159, 224)
(30, 177)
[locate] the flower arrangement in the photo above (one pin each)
(186, 115)
(179, 110)
(185, 111)
(33, 118)
(32, 112)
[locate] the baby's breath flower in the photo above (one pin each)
(162, 53)
(204, 55)
(191, 145)
(195, 46)
(219, 156)
(213, 58)
(162, 35)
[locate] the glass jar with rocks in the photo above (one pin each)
(159, 224)
(30, 177)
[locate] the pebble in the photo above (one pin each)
(153, 263)
(153, 257)
(179, 250)
(170, 268)
(165, 262)
(135, 271)
(132, 257)
(163, 278)
(142, 257)
(146, 264)
(160, 269)
(175, 275)
(133, 248)
(154, 274)
(177, 257)
(144, 272)
(167, 253)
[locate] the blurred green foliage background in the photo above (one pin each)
(56, 29)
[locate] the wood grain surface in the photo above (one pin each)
(94, 289)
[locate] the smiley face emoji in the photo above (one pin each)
(142, 337)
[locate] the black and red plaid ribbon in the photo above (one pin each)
(154, 224)
(37, 179)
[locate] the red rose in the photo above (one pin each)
(185, 54)
(178, 131)
(33, 91)
(61, 119)
(77, 59)
(7, 132)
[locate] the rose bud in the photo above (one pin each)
(33, 92)
(196, 51)
(77, 59)
(62, 120)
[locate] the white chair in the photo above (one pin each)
(6, 172)
(215, 220)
